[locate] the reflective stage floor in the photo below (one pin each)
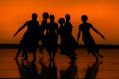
(84, 67)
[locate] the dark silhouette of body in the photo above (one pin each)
(70, 72)
(92, 70)
(43, 27)
(49, 72)
(52, 37)
(68, 43)
(87, 38)
(61, 32)
(29, 42)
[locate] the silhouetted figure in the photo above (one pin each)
(49, 72)
(52, 37)
(70, 72)
(87, 38)
(27, 70)
(92, 70)
(61, 32)
(43, 27)
(29, 42)
(68, 43)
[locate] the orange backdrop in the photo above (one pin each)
(103, 14)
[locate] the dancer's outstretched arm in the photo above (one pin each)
(20, 29)
(97, 32)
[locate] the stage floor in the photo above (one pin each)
(84, 65)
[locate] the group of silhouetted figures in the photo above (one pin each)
(47, 33)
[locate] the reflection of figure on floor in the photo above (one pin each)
(29, 42)
(27, 70)
(49, 72)
(52, 37)
(43, 27)
(93, 70)
(70, 73)
(44, 71)
(88, 39)
(68, 42)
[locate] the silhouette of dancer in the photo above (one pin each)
(52, 37)
(61, 32)
(27, 70)
(88, 39)
(30, 39)
(43, 27)
(49, 72)
(68, 43)
(69, 73)
(93, 70)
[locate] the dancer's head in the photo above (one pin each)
(52, 17)
(67, 17)
(84, 18)
(34, 16)
(45, 15)
(61, 21)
